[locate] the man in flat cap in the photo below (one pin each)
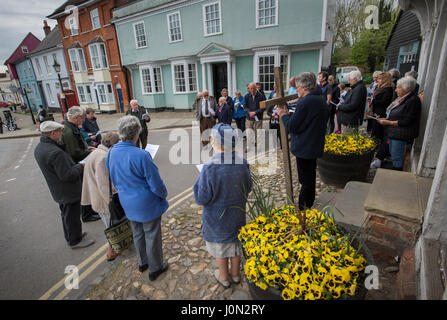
(64, 179)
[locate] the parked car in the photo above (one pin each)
(342, 73)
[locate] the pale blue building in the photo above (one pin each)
(173, 49)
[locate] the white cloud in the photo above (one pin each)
(18, 18)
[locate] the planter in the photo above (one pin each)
(274, 294)
(337, 170)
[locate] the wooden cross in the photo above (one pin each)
(282, 103)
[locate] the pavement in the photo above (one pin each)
(106, 122)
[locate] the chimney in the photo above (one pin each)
(46, 28)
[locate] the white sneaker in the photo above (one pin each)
(376, 164)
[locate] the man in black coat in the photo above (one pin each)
(307, 127)
(351, 111)
(64, 179)
(253, 110)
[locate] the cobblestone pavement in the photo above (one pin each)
(191, 269)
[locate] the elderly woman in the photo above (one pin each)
(351, 110)
(307, 126)
(229, 100)
(95, 184)
(401, 123)
(382, 97)
(225, 111)
(142, 194)
(239, 113)
(222, 189)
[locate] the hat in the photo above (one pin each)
(224, 134)
(49, 126)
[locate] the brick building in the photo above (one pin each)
(91, 48)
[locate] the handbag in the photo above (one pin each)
(119, 233)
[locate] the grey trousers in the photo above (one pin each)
(147, 239)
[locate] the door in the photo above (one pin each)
(220, 78)
(119, 93)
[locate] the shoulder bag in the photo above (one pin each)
(119, 233)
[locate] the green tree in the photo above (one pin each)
(369, 50)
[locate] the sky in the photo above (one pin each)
(17, 18)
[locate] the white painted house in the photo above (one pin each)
(43, 57)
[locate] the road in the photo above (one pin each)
(34, 252)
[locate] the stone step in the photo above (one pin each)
(346, 204)
(395, 207)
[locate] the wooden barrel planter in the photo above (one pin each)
(275, 294)
(337, 170)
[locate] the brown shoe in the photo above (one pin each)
(112, 255)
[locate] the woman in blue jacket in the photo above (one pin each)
(142, 194)
(239, 113)
(222, 189)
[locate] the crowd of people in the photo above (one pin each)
(80, 175)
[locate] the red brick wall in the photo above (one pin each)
(107, 32)
(392, 232)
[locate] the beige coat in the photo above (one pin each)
(95, 185)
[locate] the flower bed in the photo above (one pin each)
(303, 255)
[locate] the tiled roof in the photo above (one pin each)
(52, 40)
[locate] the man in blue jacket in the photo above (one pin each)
(307, 127)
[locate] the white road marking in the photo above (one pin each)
(10, 180)
(16, 167)
(4, 192)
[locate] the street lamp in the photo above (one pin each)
(57, 68)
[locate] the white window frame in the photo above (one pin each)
(47, 65)
(82, 68)
(74, 28)
(102, 64)
(110, 99)
(83, 94)
(151, 68)
(277, 53)
(50, 92)
(39, 68)
(205, 33)
(92, 17)
(258, 26)
(135, 35)
(176, 13)
(185, 64)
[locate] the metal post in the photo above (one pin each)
(29, 106)
(63, 95)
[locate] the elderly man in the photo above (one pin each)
(64, 179)
(206, 108)
(252, 109)
(142, 115)
(78, 149)
(292, 90)
(142, 195)
(307, 127)
(351, 110)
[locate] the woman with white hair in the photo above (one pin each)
(142, 194)
(351, 110)
(401, 123)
